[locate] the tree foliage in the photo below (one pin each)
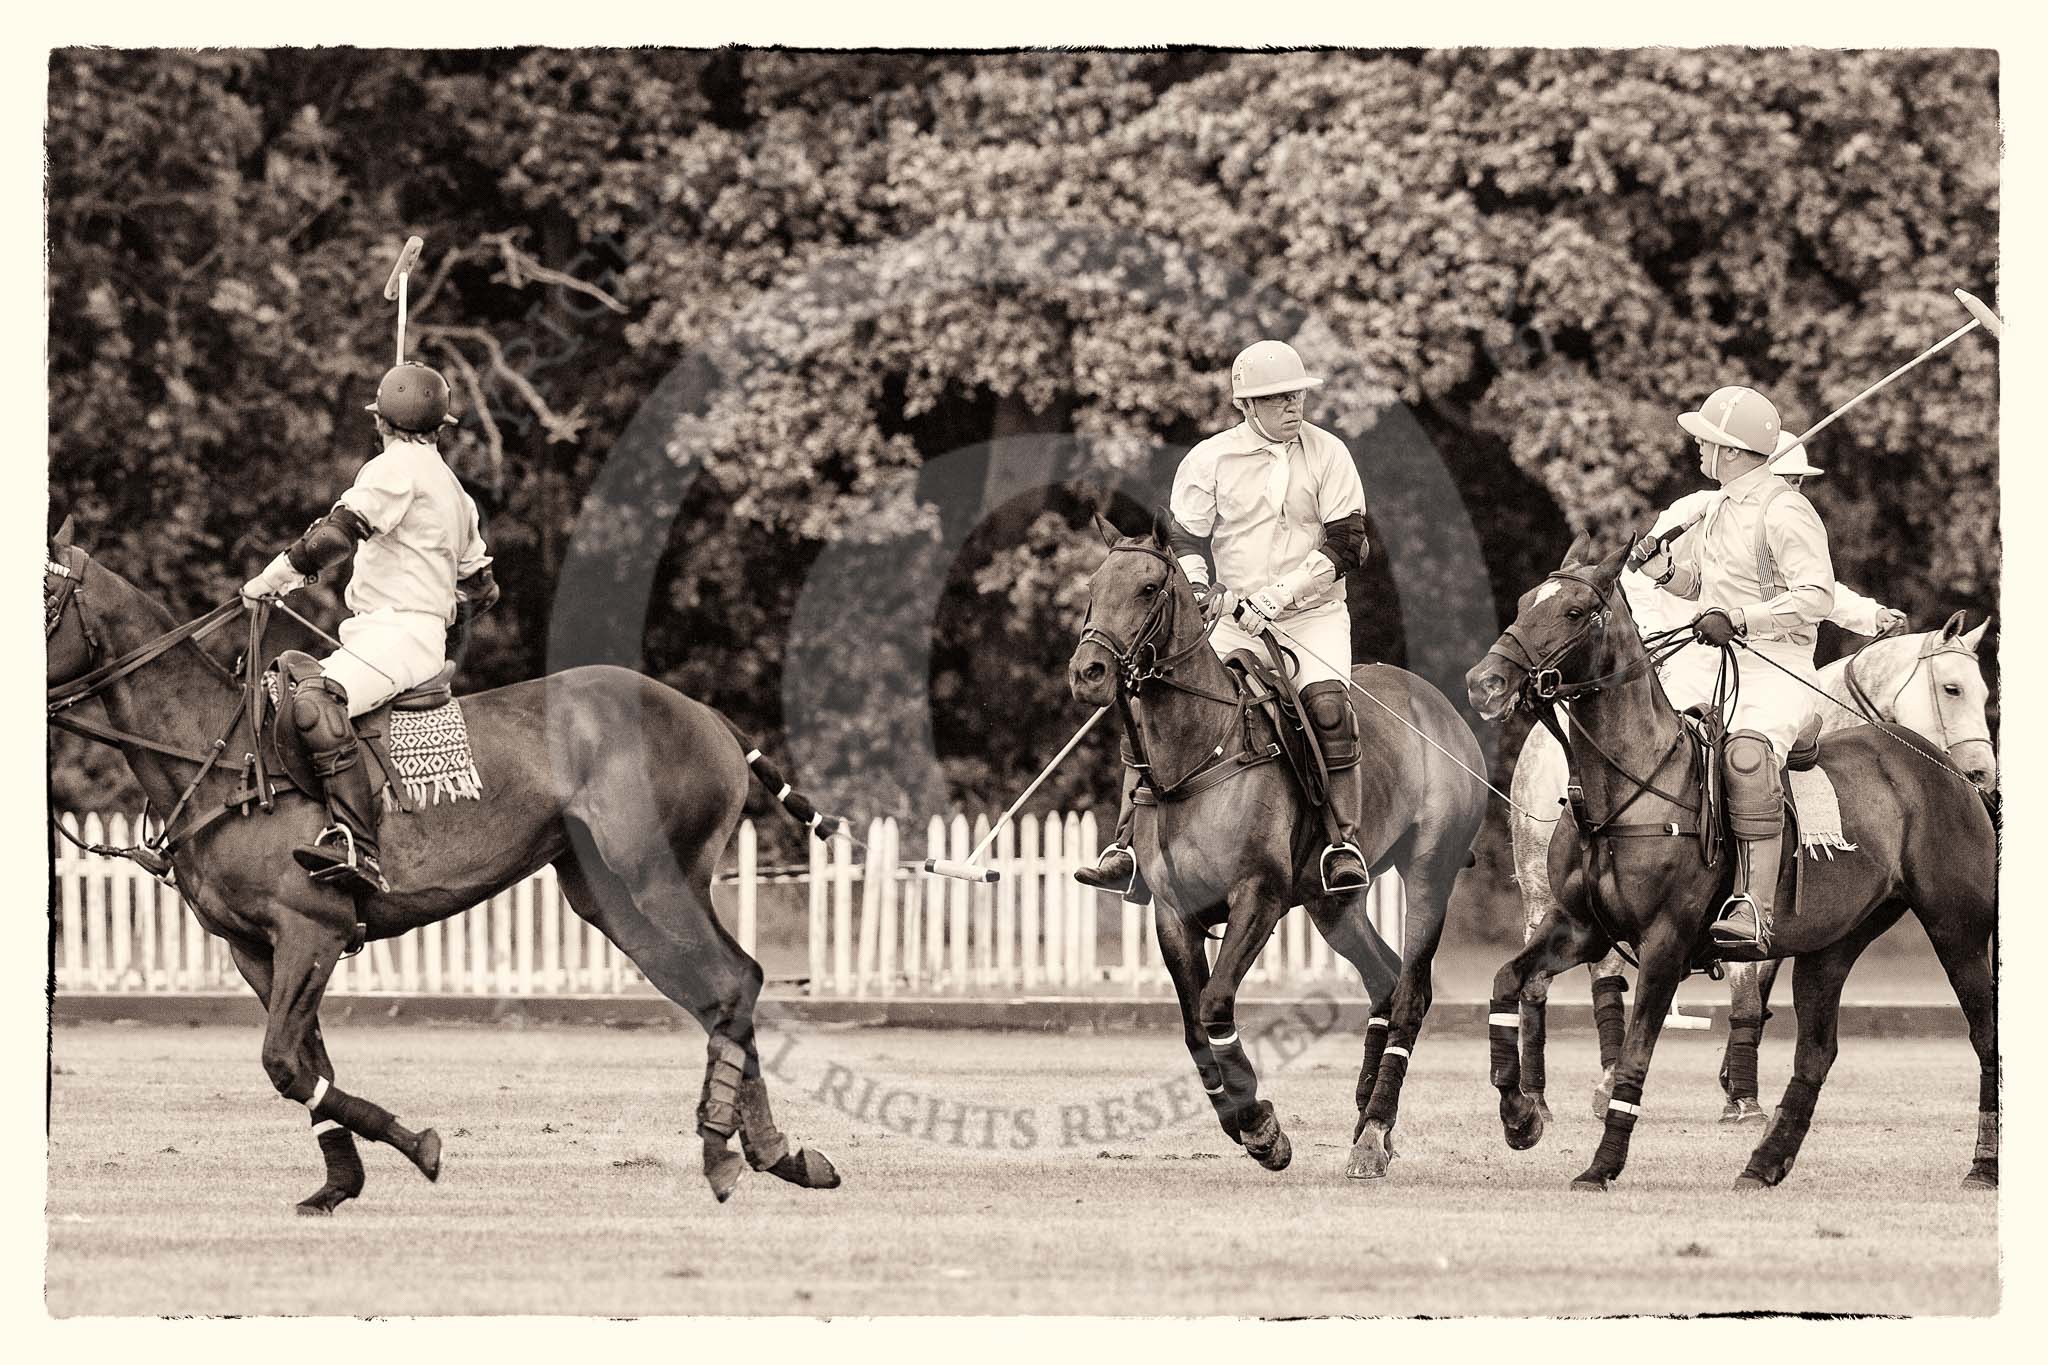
(897, 322)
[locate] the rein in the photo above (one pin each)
(155, 851)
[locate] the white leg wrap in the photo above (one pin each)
(1215, 1090)
(1231, 1041)
(1375, 1023)
(1504, 1020)
(325, 1126)
(1624, 1107)
(1396, 1052)
(319, 1094)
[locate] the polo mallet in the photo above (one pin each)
(394, 288)
(967, 871)
(1980, 316)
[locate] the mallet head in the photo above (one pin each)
(1982, 312)
(966, 872)
(407, 259)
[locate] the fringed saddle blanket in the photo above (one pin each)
(430, 755)
(1820, 813)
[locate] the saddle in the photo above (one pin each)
(284, 752)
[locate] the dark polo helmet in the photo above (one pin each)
(413, 397)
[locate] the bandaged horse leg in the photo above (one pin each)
(1556, 944)
(1187, 965)
(1344, 925)
(1610, 1023)
(1255, 908)
(1746, 1018)
(1428, 881)
(1535, 1013)
(1663, 965)
(1117, 869)
(1816, 998)
(346, 853)
(296, 1060)
(1756, 817)
(337, 1145)
(1328, 704)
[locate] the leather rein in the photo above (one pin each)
(1141, 664)
(70, 570)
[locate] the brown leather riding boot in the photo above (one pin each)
(1329, 709)
(1116, 871)
(1745, 919)
(345, 853)
(1756, 816)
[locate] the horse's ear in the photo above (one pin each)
(1976, 637)
(1162, 528)
(1611, 566)
(63, 536)
(1581, 551)
(1109, 533)
(1954, 626)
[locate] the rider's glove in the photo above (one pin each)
(277, 579)
(479, 591)
(1890, 621)
(1714, 627)
(1260, 609)
(1648, 556)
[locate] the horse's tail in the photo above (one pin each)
(770, 791)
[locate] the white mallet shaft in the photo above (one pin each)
(1940, 345)
(401, 321)
(966, 870)
(394, 287)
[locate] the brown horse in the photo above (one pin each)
(1243, 850)
(1930, 682)
(1924, 842)
(629, 789)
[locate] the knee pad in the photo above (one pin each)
(296, 666)
(1756, 797)
(320, 712)
(1329, 710)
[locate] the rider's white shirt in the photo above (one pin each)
(1718, 560)
(1263, 506)
(426, 534)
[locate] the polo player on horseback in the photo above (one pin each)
(1276, 504)
(418, 549)
(1758, 564)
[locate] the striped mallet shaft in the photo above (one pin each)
(966, 870)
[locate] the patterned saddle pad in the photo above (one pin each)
(429, 750)
(1820, 813)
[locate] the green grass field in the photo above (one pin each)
(988, 1173)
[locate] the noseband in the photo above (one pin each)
(1140, 661)
(1545, 681)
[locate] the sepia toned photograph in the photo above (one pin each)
(1177, 681)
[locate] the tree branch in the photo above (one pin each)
(521, 268)
(559, 426)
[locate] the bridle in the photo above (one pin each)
(1543, 681)
(1139, 662)
(68, 594)
(1935, 647)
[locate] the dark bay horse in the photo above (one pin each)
(1242, 851)
(1924, 842)
(629, 789)
(1930, 682)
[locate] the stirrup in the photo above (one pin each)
(351, 871)
(1130, 883)
(1760, 939)
(1323, 869)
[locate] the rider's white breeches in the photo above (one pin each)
(384, 652)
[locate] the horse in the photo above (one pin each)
(1924, 837)
(627, 788)
(1240, 852)
(1877, 682)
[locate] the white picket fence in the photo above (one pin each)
(872, 926)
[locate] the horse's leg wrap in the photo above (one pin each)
(718, 1110)
(1984, 1163)
(1535, 1033)
(1504, 1042)
(1739, 1070)
(1386, 1091)
(1772, 1160)
(763, 1143)
(367, 1119)
(344, 1169)
(1369, 1064)
(1623, 1109)
(1610, 1018)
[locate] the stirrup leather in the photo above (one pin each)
(1323, 870)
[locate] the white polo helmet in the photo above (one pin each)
(1738, 417)
(1268, 367)
(1790, 457)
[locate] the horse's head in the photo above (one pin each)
(1564, 632)
(1139, 603)
(70, 644)
(1941, 694)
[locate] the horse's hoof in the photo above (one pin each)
(1590, 1183)
(1277, 1157)
(322, 1202)
(426, 1154)
(1743, 1111)
(722, 1169)
(1370, 1155)
(1980, 1179)
(1521, 1124)
(806, 1169)
(1750, 1184)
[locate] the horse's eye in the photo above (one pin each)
(1573, 613)
(1149, 590)
(1952, 689)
